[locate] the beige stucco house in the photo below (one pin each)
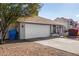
(36, 27)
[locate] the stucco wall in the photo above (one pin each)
(22, 31)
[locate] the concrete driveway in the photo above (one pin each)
(65, 44)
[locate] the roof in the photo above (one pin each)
(38, 20)
(63, 19)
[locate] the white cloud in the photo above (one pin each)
(77, 15)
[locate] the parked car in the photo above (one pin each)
(73, 32)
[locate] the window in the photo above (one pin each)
(71, 22)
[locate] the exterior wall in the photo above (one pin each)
(36, 31)
(22, 31)
(28, 31)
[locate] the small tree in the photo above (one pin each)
(10, 12)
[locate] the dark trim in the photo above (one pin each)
(18, 30)
(36, 38)
(50, 31)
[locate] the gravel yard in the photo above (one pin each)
(31, 49)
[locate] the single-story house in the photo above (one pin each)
(37, 27)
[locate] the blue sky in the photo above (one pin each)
(54, 10)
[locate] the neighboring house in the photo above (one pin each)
(36, 27)
(77, 25)
(68, 23)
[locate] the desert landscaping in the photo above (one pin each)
(31, 49)
(26, 30)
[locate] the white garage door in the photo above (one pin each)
(36, 30)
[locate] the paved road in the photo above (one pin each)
(65, 44)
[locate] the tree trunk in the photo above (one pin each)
(3, 38)
(3, 31)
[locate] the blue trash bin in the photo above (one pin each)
(12, 34)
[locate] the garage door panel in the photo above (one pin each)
(35, 31)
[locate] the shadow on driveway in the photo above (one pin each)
(26, 40)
